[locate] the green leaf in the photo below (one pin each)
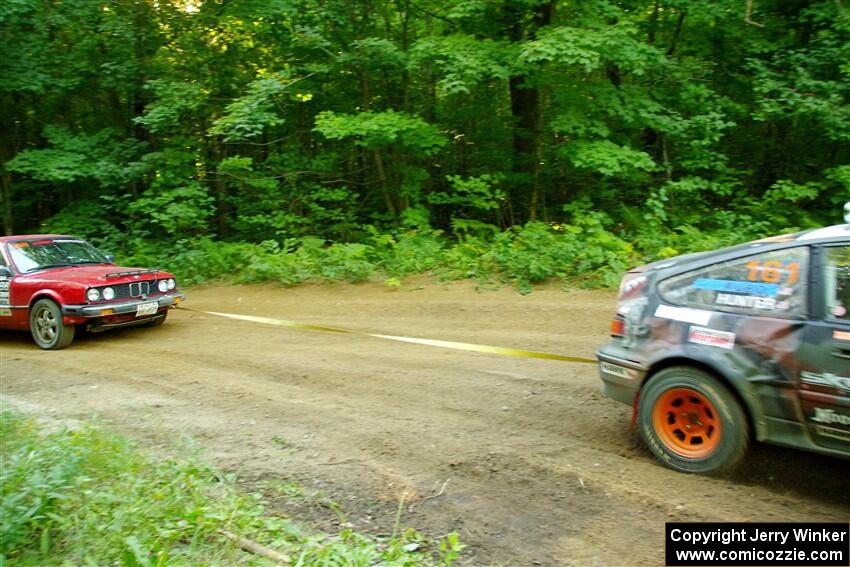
(376, 130)
(608, 159)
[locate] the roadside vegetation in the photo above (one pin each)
(510, 140)
(584, 254)
(86, 496)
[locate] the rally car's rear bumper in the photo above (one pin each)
(621, 378)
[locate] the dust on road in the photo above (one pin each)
(522, 457)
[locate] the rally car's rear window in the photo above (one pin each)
(771, 284)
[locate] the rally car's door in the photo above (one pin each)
(825, 355)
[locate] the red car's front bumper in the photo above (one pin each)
(121, 313)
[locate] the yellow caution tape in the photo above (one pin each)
(504, 351)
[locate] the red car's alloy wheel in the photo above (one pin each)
(47, 327)
(687, 423)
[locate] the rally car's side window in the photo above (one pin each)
(837, 282)
(771, 284)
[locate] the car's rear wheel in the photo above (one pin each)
(692, 422)
(47, 327)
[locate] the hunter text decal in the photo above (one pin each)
(747, 301)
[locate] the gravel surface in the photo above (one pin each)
(522, 457)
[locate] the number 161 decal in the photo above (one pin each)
(772, 271)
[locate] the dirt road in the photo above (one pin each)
(522, 457)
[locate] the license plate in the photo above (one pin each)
(146, 309)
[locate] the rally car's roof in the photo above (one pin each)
(17, 237)
(836, 233)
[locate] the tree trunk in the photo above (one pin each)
(382, 179)
(676, 34)
(220, 191)
(405, 46)
(653, 25)
(6, 201)
(7, 151)
(525, 109)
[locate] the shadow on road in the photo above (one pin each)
(82, 338)
(808, 475)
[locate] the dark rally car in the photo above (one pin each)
(750, 342)
(52, 284)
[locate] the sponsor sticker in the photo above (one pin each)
(826, 379)
(731, 286)
(746, 301)
(824, 415)
(711, 337)
(633, 286)
(617, 370)
(4, 298)
(684, 314)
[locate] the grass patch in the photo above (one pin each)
(86, 496)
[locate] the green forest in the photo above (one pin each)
(522, 140)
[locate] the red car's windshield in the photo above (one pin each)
(32, 255)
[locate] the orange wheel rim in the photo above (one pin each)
(687, 423)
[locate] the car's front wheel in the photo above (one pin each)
(47, 327)
(691, 421)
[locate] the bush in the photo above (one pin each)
(591, 251)
(85, 496)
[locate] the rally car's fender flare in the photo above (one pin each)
(740, 387)
(45, 294)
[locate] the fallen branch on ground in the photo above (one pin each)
(256, 548)
(440, 493)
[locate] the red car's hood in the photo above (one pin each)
(96, 275)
